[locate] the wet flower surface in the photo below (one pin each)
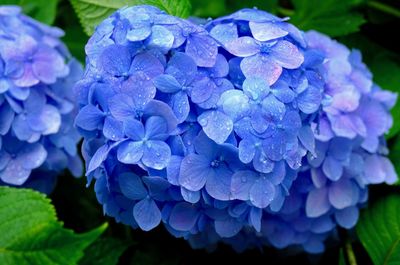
(245, 130)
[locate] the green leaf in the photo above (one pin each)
(42, 10)
(104, 251)
(92, 12)
(394, 154)
(332, 17)
(379, 231)
(31, 234)
(342, 260)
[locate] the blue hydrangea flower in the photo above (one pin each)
(236, 132)
(37, 105)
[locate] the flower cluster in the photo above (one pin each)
(37, 106)
(245, 131)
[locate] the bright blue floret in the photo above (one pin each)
(245, 131)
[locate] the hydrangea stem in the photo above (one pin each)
(351, 258)
(384, 8)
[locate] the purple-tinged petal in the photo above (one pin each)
(202, 90)
(255, 88)
(287, 55)
(261, 66)
(374, 172)
(332, 168)
(190, 196)
(179, 103)
(28, 79)
(183, 216)
(21, 128)
(243, 47)
(134, 129)
(48, 120)
(98, 158)
(273, 108)
(265, 31)
(341, 193)
(159, 108)
(234, 103)
(14, 173)
(132, 186)
(309, 100)
(147, 64)
(147, 214)
(32, 156)
(317, 202)
(306, 137)
(262, 164)
(347, 218)
(113, 129)
(6, 118)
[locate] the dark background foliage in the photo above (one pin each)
(371, 26)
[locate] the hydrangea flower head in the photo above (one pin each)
(234, 132)
(37, 107)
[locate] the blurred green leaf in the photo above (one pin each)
(104, 251)
(76, 39)
(205, 9)
(394, 154)
(379, 231)
(92, 12)
(31, 234)
(332, 17)
(42, 10)
(342, 260)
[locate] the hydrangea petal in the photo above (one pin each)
(131, 186)
(147, 214)
(183, 217)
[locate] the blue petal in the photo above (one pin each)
(173, 169)
(147, 214)
(202, 48)
(157, 186)
(341, 194)
(190, 196)
(332, 168)
(220, 69)
(262, 164)
(160, 38)
(255, 88)
(98, 158)
(182, 67)
(140, 88)
(243, 47)
(287, 55)
(317, 202)
(255, 218)
(132, 186)
(218, 185)
(224, 33)
(275, 146)
(115, 60)
(183, 217)
(48, 120)
(134, 129)
(347, 217)
(180, 106)
(122, 107)
(273, 108)
(265, 31)
(205, 146)
(147, 64)
(130, 152)
(234, 103)
(216, 125)
(202, 90)
(167, 84)
(159, 108)
(261, 66)
(283, 92)
(6, 118)
(262, 192)
(113, 129)
(228, 227)
(241, 183)
(156, 154)
(14, 173)
(32, 156)
(306, 137)
(89, 118)
(139, 33)
(21, 128)
(247, 151)
(195, 170)
(156, 128)
(309, 100)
